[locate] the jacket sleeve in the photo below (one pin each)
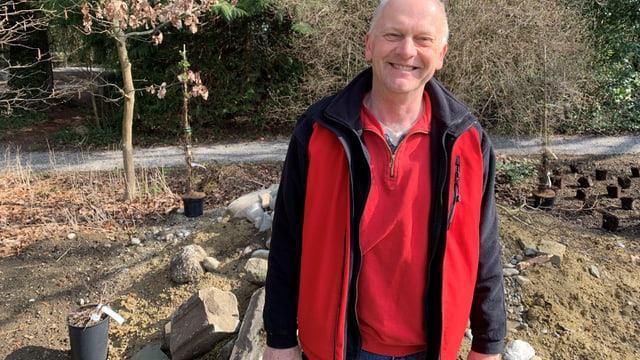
(283, 275)
(488, 313)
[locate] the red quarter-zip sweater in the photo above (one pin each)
(393, 237)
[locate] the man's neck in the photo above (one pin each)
(397, 113)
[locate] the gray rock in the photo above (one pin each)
(250, 343)
(522, 280)
(519, 350)
(255, 213)
(506, 272)
(210, 263)
(256, 270)
(166, 337)
(261, 254)
(164, 235)
(552, 248)
(252, 207)
(527, 243)
(198, 325)
(151, 352)
(247, 206)
(264, 223)
(226, 349)
(186, 265)
(594, 271)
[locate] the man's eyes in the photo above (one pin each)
(421, 40)
(393, 37)
(427, 41)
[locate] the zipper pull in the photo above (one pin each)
(456, 193)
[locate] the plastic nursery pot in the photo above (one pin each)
(193, 204)
(89, 341)
(544, 199)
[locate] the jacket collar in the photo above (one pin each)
(344, 106)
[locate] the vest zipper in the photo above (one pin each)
(456, 193)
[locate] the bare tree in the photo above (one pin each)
(26, 77)
(124, 20)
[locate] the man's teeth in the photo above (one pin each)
(405, 68)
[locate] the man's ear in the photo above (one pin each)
(442, 54)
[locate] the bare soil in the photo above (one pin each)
(565, 312)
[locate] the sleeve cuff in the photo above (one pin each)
(484, 347)
(277, 341)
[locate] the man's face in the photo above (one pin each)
(406, 45)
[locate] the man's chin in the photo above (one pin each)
(405, 86)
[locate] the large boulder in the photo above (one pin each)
(186, 266)
(250, 343)
(198, 325)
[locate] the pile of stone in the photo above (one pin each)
(210, 317)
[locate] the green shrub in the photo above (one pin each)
(248, 68)
(616, 28)
(516, 171)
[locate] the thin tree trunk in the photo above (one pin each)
(127, 117)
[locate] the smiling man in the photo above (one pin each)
(385, 241)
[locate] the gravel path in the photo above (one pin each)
(275, 151)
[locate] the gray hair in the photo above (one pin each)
(383, 3)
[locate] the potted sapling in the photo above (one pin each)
(88, 327)
(190, 86)
(545, 194)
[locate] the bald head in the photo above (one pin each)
(383, 4)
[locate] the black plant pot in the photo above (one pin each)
(193, 205)
(89, 342)
(544, 199)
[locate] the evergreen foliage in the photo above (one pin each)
(616, 28)
(249, 66)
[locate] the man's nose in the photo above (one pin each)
(407, 47)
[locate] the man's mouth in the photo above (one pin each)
(403, 67)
